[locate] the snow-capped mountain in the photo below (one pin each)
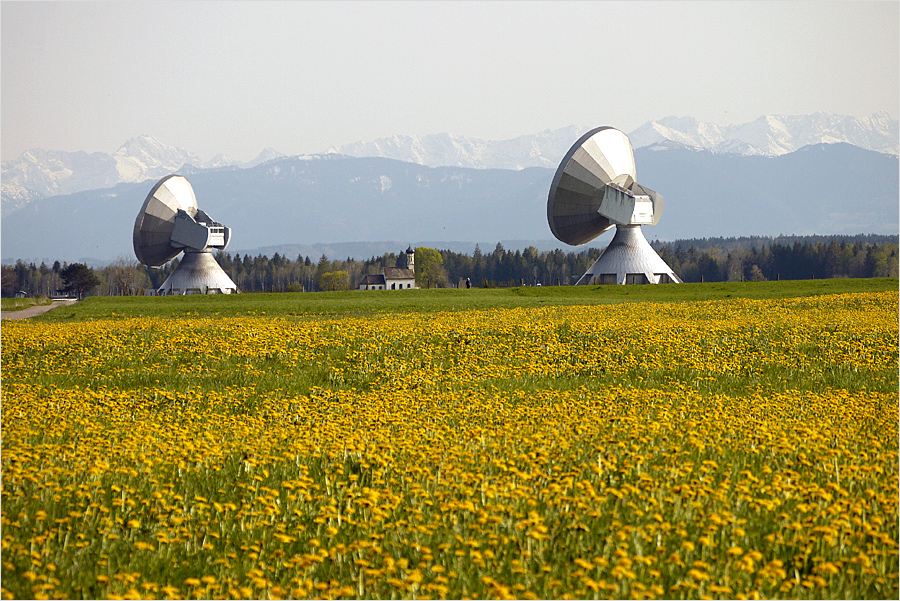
(683, 130)
(15, 197)
(543, 149)
(219, 161)
(145, 157)
(266, 155)
(38, 173)
(774, 135)
(768, 136)
(41, 173)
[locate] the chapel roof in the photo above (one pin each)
(398, 273)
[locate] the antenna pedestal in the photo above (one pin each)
(629, 259)
(198, 273)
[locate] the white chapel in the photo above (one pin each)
(393, 278)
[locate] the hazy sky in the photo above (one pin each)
(302, 77)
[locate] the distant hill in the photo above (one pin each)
(323, 199)
(328, 199)
(819, 189)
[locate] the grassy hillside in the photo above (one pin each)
(360, 303)
(18, 304)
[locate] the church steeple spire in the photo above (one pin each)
(410, 258)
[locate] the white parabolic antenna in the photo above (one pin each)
(169, 223)
(594, 189)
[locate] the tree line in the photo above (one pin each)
(800, 260)
(704, 260)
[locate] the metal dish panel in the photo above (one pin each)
(156, 219)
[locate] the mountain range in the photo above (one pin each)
(766, 136)
(773, 135)
(40, 173)
(332, 198)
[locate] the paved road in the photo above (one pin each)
(36, 310)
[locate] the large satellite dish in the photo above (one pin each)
(169, 223)
(594, 189)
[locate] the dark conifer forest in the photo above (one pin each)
(696, 260)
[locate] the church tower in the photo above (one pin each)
(410, 258)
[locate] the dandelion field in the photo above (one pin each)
(738, 447)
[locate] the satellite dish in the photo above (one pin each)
(169, 223)
(594, 189)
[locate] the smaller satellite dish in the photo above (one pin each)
(169, 223)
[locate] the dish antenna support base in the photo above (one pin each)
(629, 259)
(198, 273)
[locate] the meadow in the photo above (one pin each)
(18, 304)
(690, 441)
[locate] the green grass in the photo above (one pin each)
(361, 303)
(18, 304)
